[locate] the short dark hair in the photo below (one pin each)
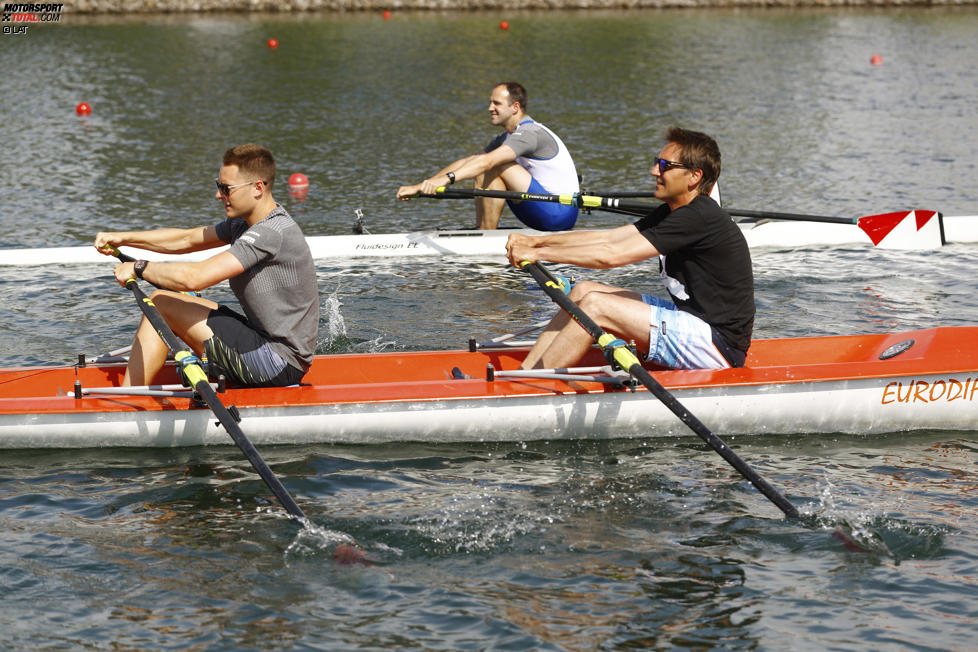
(253, 159)
(516, 93)
(699, 151)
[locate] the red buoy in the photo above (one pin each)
(503, 25)
(876, 60)
(83, 108)
(272, 43)
(387, 15)
(298, 185)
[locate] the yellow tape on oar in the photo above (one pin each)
(556, 281)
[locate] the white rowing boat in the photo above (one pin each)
(906, 233)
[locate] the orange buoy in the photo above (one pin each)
(876, 60)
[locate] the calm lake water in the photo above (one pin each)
(555, 546)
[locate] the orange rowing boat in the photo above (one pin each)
(925, 379)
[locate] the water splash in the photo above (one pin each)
(335, 324)
(876, 530)
(336, 340)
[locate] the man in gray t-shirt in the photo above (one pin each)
(268, 266)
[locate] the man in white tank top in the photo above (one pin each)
(526, 157)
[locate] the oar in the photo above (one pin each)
(877, 227)
(126, 258)
(618, 350)
(191, 370)
(574, 199)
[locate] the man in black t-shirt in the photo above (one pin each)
(704, 263)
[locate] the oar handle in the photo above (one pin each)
(126, 258)
(619, 351)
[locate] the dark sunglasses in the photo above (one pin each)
(665, 165)
(225, 189)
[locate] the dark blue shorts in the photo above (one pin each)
(243, 355)
(542, 215)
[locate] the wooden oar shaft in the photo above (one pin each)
(198, 380)
(627, 360)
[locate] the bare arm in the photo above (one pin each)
(593, 249)
(185, 276)
(165, 241)
(464, 168)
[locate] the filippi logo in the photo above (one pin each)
(17, 16)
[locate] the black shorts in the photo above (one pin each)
(243, 355)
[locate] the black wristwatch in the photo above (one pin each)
(139, 267)
(451, 177)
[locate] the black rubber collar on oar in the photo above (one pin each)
(194, 374)
(617, 350)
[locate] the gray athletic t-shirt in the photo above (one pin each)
(278, 290)
(531, 140)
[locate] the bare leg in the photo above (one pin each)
(488, 209)
(186, 316)
(618, 311)
(510, 176)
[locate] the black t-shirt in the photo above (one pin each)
(707, 266)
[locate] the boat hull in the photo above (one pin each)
(801, 385)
